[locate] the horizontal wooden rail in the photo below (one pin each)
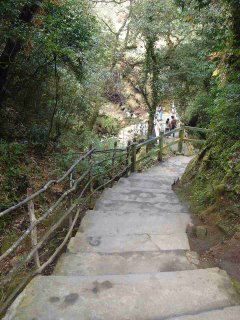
(148, 155)
(169, 133)
(109, 150)
(171, 143)
(147, 142)
(197, 129)
(194, 140)
(109, 159)
(42, 218)
(155, 139)
(46, 187)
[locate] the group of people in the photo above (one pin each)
(170, 124)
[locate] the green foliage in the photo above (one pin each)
(13, 177)
(68, 63)
(212, 183)
(199, 112)
(226, 118)
(107, 125)
(56, 81)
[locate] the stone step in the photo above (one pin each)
(163, 170)
(140, 195)
(147, 183)
(161, 189)
(161, 173)
(123, 297)
(97, 223)
(147, 177)
(125, 262)
(172, 164)
(230, 313)
(127, 243)
(181, 161)
(139, 206)
(162, 177)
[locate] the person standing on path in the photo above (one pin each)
(167, 125)
(160, 113)
(173, 109)
(158, 119)
(173, 124)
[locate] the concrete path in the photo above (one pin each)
(131, 260)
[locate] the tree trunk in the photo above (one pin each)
(13, 46)
(55, 109)
(153, 71)
(150, 125)
(151, 129)
(7, 57)
(235, 11)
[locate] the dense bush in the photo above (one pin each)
(212, 180)
(199, 112)
(226, 116)
(56, 75)
(13, 173)
(107, 125)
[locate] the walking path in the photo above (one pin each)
(131, 260)
(140, 129)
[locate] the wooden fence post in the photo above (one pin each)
(113, 163)
(71, 182)
(181, 137)
(147, 148)
(90, 162)
(128, 158)
(160, 142)
(90, 177)
(32, 218)
(134, 157)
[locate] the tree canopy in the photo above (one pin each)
(61, 61)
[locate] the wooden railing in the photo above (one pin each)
(90, 173)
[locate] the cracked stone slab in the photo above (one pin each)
(110, 223)
(119, 187)
(140, 195)
(126, 243)
(131, 206)
(123, 297)
(230, 313)
(146, 184)
(177, 161)
(163, 171)
(86, 263)
(171, 166)
(164, 175)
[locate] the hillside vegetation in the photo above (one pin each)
(63, 61)
(213, 178)
(72, 71)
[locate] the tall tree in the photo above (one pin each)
(13, 44)
(162, 27)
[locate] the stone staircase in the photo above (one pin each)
(131, 260)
